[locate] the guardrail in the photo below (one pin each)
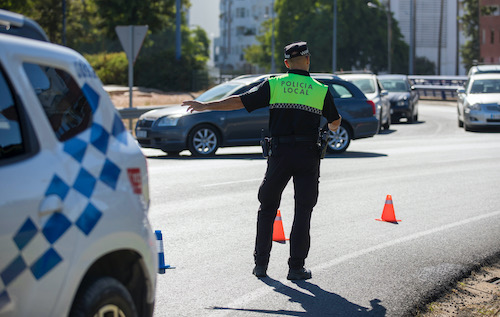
(437, 87)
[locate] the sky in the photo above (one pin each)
(205, 13)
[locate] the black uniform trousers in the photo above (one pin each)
(301, 161)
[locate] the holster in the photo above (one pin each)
(265, 143)
(323, 138)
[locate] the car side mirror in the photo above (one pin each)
(413, 88)
(461, 90)
(384, 92)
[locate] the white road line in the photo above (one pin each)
(260, 292)
(232, 182)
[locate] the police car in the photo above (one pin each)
(75, 239)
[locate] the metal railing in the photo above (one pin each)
(438, 87)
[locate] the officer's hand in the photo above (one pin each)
(334, 126)
(194, 105)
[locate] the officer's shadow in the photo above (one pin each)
(320, 303)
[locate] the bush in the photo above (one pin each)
(112, 68)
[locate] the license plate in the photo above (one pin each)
(142, 134)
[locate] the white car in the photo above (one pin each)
(369, 84)
(75, 239)
(478, 104)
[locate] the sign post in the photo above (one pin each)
(131, 38)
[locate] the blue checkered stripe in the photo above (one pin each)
(87, 154)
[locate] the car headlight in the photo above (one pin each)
(168, 121)
(475, 106)
(402, 102)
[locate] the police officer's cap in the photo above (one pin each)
(296, 49)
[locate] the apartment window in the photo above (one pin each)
(492, 36)
(240, 30)
(240, 12)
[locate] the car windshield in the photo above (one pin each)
(218, 92)
(365, 85)
(394, 85)
(485, 86)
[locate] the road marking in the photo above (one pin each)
(260, 292)
(232, 182)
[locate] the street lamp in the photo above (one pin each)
(273, 62)
(389, 32)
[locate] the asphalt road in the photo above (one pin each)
(445, 188)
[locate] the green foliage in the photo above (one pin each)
(470, 23)
(361, 35)
(423, 66)
(90, 29)
(112, 68)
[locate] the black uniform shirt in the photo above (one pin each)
(284, 122)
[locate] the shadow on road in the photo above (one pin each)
(320, 303)
(258, 156)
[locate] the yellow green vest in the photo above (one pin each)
(292, 91)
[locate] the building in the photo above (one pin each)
(443, 47)
(240, 22)
(489, 33)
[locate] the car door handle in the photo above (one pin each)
(50, 205)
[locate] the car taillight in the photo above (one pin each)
(139, 184)
(134, 176)
(373, 106)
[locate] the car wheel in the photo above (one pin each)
(460, 122)
(387, 125)
(204, 140)
(104, 297)
(339, 141)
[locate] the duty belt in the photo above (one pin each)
(291, 139)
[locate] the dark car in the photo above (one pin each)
(403, 96)
(19, 25)
(172, 129)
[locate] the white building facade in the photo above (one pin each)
(240, 22)
(427, 26)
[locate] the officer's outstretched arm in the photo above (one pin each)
(333, 126)
(229, 103)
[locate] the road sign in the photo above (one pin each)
(131, 38)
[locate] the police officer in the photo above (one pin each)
(296, 103)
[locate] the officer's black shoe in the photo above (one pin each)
(299, 274)
(260, 270)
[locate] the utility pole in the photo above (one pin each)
(334, 48)
(440, 37)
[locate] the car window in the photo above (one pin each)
(485, 86)
(11, 139)
(63, 101)
(340, 91)
(366, 85)
(394, 85)
(218, 92)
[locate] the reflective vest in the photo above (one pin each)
(292, 91)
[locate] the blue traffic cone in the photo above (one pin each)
(161, 255)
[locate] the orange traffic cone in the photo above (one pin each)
(388, 214)
(278, 232)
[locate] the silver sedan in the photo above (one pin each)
(478, 104)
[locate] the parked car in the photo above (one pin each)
(371, 87)
(482, 69)
(75, 239)
(403, 96)
(173, 130)
(17, 24)
(478, 104)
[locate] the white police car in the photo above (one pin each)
(74, 234)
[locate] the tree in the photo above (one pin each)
(470, 51)
(362, 32)
(470, 22)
